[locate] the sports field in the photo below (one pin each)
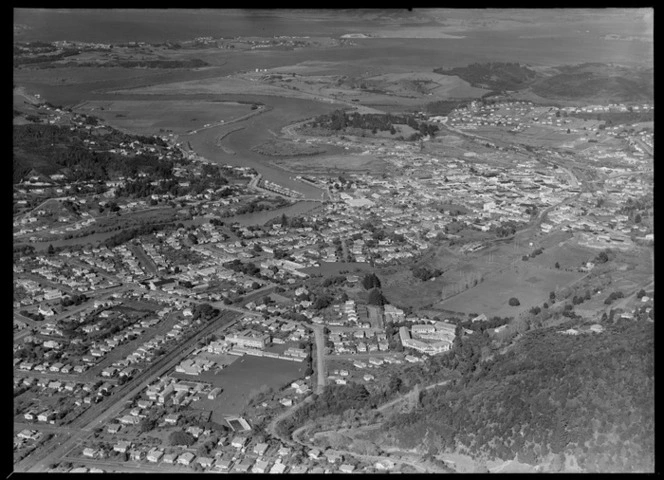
(241, 380)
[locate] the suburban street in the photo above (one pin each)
(98, 414)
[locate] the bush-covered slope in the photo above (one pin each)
(589, 396)
(493, 75)
(583, 82)
(50, 148)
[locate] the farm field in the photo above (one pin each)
(146, 117)
(244, 378)
(531, 285)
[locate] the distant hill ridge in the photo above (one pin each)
(585, 81)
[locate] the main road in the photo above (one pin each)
(96, 415)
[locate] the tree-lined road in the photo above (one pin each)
(321, 375)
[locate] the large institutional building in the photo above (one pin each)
(249, 339)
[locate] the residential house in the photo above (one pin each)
(238, 442)
(90, 452)
(261, 448)
(137, 455)
(333, 457)
(278, 468)
(172, 418)
(114, 428)
(260, 466)
(314, 454)
(205, 462)
(154, 455)
(185, 459)
(195, 431)
(169, 458)
(243, 466)
(223, 464)
(122, 446)
(284, 451)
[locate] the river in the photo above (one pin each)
(257, 130)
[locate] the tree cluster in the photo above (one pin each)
(614, 296)
(424, 273)
(340, 120)
(370, 281)
(74, 299)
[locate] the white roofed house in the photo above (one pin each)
(261, 448)
(92, 452)
(205, 462)
(238, 442)
(154, 455)
(278, 468)
(186, 458)
(169, 458)
(260, 466)
(122, 446)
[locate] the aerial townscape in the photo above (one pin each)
(333, 241)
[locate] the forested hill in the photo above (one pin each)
(551, 397)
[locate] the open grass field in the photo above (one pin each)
(148, 117)
(77, 75)
(244, 378)
(332, 164)
(569, 255)
(327, 269)
(216, 86)
(425, 83)
(281, 148)
(531, 285)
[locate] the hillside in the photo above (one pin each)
(493, 75)
(597, 81)
(583, 82)
(550, 398)
(47, 149)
